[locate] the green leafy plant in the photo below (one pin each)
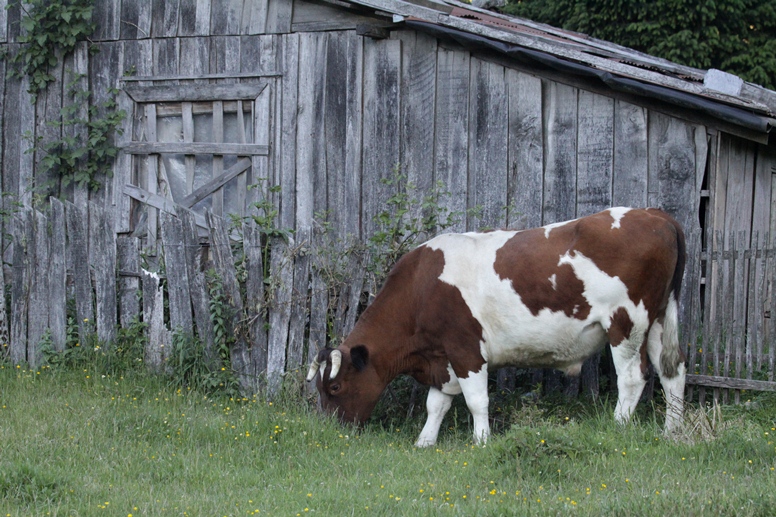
(408, 218)
(85, 152)
(51, 29)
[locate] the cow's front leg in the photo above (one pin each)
(475, 391)
(437, 405)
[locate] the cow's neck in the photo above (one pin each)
(387, 328)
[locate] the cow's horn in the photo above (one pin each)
(313, 370)
(336, 362)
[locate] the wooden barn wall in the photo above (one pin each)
(345, 111)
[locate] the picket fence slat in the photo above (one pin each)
(224, 263)
(57, 275)
(78, 253)
(158, 344)
(181, 319)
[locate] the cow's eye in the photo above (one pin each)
(334, 388)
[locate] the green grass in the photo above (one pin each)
(79, 443)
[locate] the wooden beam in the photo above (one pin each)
(157, 201)
(196, 148)
(731, 383)
(195, 92)
(215, 183)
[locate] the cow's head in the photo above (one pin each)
(347, 381)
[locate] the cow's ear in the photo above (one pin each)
(359, 356)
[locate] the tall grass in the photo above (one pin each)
(80, 442)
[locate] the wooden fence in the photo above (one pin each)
(732, 332)
(289, 298)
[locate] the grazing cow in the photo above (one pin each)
(461, 305)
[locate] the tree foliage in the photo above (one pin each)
(737, 36)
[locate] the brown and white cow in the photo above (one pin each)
(462, 305)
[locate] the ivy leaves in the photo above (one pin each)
(51, 28)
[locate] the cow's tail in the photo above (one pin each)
(672, 355)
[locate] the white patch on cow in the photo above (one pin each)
(554, 281)
(475, 391)
(548, 228)
(617, 213)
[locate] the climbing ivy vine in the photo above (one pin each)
(50, 30)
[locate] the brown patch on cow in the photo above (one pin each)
(642, 249)
(446, 330)
(529, 260)
(620, 327)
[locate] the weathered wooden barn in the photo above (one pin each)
(323, 99)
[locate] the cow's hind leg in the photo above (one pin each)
(630, 374)
(666, 357)
(437, 405)
(475, 390)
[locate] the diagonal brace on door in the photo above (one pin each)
(215, 183)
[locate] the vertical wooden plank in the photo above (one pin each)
(343, 136)
(77, 74)
(37, 313)
(764, 208)
(752, 300)
(135, 20)
(418, 89)
(78, 251)
(195, 18)
(11, 148)
(560, 152)
(242, 179)
(104, 70)
(488, 124)
(279, 14)
(3, 22)
(158, 344)
(151, 182)
(256, 309)
(164, 22)
(224, 264)
(102, 258)
(177, 277)
(107, 18)
(451, 138)
(26, 160)
(310, 163)
(48, 129)
(739, 301)
(284, 176)
(673, 185)
(128, 259)
(20, 288)
(57, 276)
(195, 56)
(526, 156)
(200, 300)
(595, 153)
(629, 170)
(254, 17)
(381, 129)
(218, 160)
(226, 17)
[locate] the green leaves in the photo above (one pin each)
(738, 36)
(51, 28)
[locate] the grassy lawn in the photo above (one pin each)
(79, 443)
